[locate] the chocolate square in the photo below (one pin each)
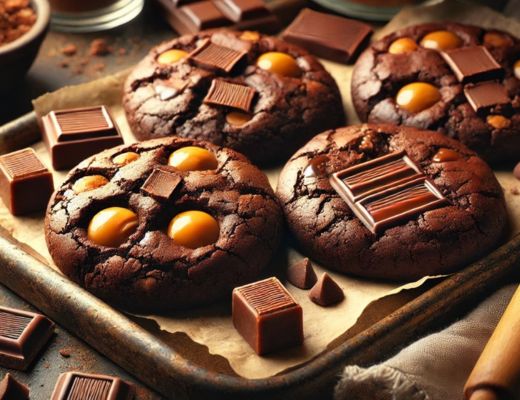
(161, 184)
(77, 385)
(239, 10)
(215, 57)
(72, 135)
(486, 95)
(233, 95)
(473, 64)
(25, 183)
(22, 335)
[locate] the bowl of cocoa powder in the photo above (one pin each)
(23, 25)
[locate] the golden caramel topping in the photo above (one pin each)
(193, 229)
(112, 226)
(516, 68)
(89, 182)
(193, 158)
(417, 96)
(402, 46)
(498, 121)
(172, 56)
(252, 36)
(237, 118)
(125, 158)
(495, 39)
(441, 40)
(444, 155)
(279, 63)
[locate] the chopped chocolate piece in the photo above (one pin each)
(77, 385)
(11, 389)
(473, 64)
(99, 47)
(69, 50)
(386, 191)
(214, 56)
(25, 183)
(22, 335)
(202, 15)
(239, 10)
(486, 95)
(168, 89)
(267, 316)
(326, 292)
(301, 274)
(234, 95)
(74, 134)
(316, 167)
(161, 184)
(328, 36)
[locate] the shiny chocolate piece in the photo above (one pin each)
(202, 15)
(233, 95)
(161, 184)
(386, 191)
(473, 64)
(301, 274)
(81, 386)
(11, 389)
(484, 96)
(328, 36)
(267, 316)
(25, 183)
(316, 167)
(239, 10)
(22, 336)
(72, 135)
(213, 56)
(326, 292)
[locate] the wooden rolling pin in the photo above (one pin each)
(496, 375)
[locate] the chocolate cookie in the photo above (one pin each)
(253, 93)
(390, 202)
(458, 79)
(164, 224)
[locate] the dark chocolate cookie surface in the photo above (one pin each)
(164, 224)
(418, 54)
(286, 95)
(425, 203)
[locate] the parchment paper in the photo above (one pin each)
(212, 326)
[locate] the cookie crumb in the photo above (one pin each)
(98, 67)
(514, 191)
(99, 47)
(63, 64)
(69, 50)
(65, 352)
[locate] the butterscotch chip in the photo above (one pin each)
(441, 40)
(418, 96)
(498, 121)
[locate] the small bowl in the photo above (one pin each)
(17, 56)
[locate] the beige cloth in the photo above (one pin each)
(433, 368)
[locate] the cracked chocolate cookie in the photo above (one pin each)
(253, 93)
(164, 224)
(390, 202)
(458, 79)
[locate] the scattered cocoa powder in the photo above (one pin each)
(69, 50)
(99, 47)
(16, 18)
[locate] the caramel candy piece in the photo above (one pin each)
(498, 121)
(251, 36)
(267, 316)
(441, 40)
(301, 274)
(172, 56)
(193, 158)
(516, 69)
(80, 386)
(279, 63)
(326, 292)
(112, 226)
(444, 155)
(402, 46)
(237, 118)
(496, 39)
(89, 182)
(11, 389)
(418, 96)
(194, 229)
(125, 158)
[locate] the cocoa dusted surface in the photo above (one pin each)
(438, 241)
(150, 272)
(378, 76)
(287, 112)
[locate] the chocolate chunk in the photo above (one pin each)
(233, 95)
(25, 184)
(202, 15)
(473, 64)
(239, 10)
(316, 167)
(301, 274)
(72, 135)
(486, 95)
(386, 191)
(328, 36)
(77, 385)
(161, 184)
(326, 292)
(267, 316)
(11, 389)
(22, 335)
(168, 89)
(213, 56)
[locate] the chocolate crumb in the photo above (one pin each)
(69, 50)
(122, 51)
(98, 67)
(65, 352)
(63, 64)
(99, 47)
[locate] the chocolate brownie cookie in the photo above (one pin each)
(253, 93)
(458, 79)
(164, 224)
(390, 202)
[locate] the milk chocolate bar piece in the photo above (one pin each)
(386, 191)
(328, 36)
(161, 184)
(72, 135)
(473, 64)
(77, 385)
(233, 95)
(25, 183)
(486, 95)
(11, 389)
(240, 10)
(213, 56)
(202, 15)
(22, 335)
(267, 316)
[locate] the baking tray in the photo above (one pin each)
(150, 358)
